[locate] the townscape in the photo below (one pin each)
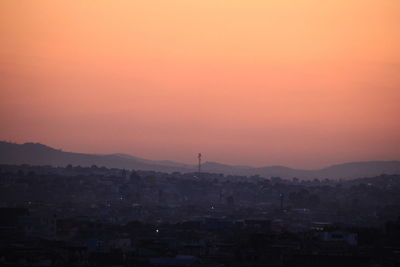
(97, 216)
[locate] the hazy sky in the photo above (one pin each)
(302, 83)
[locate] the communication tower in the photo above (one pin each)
(199, 157)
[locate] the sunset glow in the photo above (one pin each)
(303, 83)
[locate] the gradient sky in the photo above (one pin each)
(301, 83)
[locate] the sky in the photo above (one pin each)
(300, 83)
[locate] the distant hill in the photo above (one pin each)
(39, 154)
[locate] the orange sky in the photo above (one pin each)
(302, 83)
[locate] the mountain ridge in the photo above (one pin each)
(40, 154)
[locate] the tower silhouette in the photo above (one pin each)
(199, 157)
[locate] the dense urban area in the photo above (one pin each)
(96, 216)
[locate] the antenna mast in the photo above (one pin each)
(199, 157)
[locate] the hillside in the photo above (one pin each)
(39, 154)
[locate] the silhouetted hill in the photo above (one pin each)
(39, 154)
(340, 171)
(360, 169)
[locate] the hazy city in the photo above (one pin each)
(208, 133)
